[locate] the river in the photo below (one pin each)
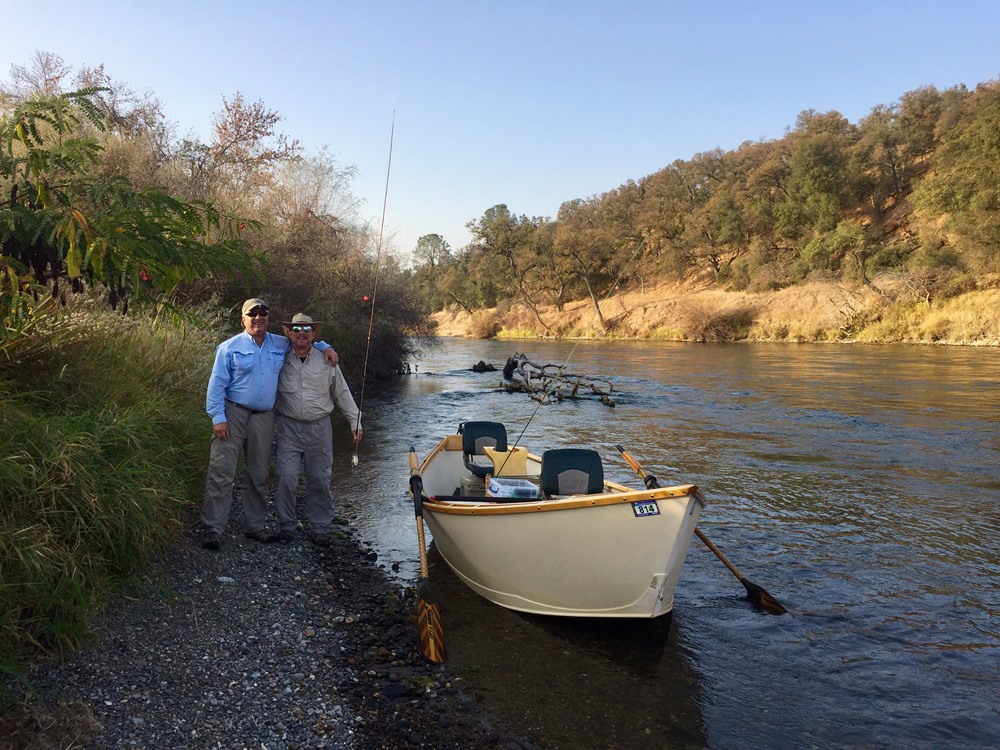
(856, 484)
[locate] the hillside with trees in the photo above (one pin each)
(901, 209)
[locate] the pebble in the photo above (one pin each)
(277, 661)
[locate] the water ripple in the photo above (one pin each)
(856, 484)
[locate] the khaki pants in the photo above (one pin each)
(305, 447)
(250, 434)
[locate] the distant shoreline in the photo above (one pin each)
(816, 312)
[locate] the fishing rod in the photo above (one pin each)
(378, 256)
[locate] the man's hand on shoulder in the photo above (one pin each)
(330, 355)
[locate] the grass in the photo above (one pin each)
(102, 443)
(970, 318)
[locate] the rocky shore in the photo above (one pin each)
(262, 646)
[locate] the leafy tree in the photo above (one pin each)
(668, 197)
(894, 143)
(510, 241)
(722, 230)
(819, 188)
(618, 211)
(433, 257)
(66, 221)
(43, 75)
(882, 150)
(826, 251)
(963, 186)
(245, 151)
(457, 286)
(432, 250)
(584, 250)
(320, 258)
(468, 279)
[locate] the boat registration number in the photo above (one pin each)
(645, 508)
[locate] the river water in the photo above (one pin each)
(856, 484)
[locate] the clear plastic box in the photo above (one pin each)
(507, 487)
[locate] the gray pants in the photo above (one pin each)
(249, 433)
(308, 447)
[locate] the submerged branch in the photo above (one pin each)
(549, 382)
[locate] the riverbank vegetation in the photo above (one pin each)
(103, 446)
(885, 223)
(816, 311)
(125, 253)
(100, 193)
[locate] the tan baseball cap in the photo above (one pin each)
(250, 304)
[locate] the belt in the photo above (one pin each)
(247, 408)
(304, 421)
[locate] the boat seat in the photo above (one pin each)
(572, 471)
(475, 437)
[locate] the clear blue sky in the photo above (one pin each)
(527, 103)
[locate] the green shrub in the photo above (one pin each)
(102, 436)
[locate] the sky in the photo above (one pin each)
(525, 103)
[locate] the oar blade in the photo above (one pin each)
(760, 598)
(430, 630)
(757, 596)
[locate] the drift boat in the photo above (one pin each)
(548, 534)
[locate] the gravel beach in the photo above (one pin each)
(259, 646)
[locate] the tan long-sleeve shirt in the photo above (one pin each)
(308, 390)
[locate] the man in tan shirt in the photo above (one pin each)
(308, 388)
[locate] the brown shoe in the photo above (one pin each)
(211, 541)
(263, 536)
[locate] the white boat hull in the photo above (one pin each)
(579, 556)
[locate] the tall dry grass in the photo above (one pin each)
(102, 445)
(812, 312)
(972, 318)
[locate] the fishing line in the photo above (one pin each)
(555, 381)
(378, 256)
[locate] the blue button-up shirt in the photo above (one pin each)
(247, 374)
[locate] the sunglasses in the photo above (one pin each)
(258, 312)
(302, 329)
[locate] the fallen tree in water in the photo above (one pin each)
(546, 383)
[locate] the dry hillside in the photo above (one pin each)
(817, 311)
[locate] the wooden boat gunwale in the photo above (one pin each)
(617, 493)
(480, 506)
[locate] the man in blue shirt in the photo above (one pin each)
(240, 401)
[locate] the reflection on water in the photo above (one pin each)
(571, 683)
(856, 484)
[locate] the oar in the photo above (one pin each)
(428, 614)
(757, 596)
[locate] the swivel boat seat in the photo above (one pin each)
(475, 437)
(571, 471)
